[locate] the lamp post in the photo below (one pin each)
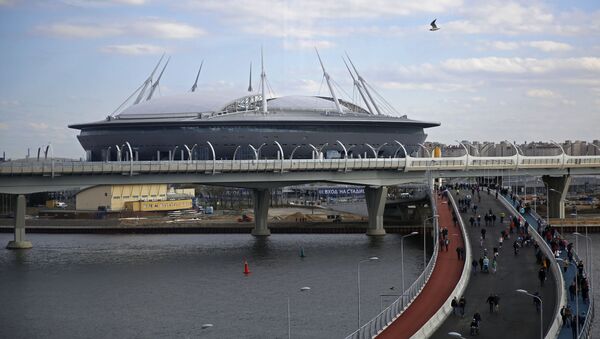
(358, 284)
(402, 253)
(541, 310)
(576, 292)
(303, 289)
(425, 239)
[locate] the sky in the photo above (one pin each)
(496, 70)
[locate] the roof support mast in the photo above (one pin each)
(197, 76)
(326, 75)
(154, 85)
(359, 87)
(147, 82)
(364, 84)
(263, 82)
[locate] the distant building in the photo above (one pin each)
(117, 197)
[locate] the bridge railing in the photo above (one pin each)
(392, 312)
(407, 164)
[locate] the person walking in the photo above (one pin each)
(483, 231)
(454, 304)
(542, 276)
(472, 221)
(490, 301)
(516, 247)
(462, 303)
(458, 252)
(474, 264)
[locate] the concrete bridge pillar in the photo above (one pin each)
(558, 188)
(262, 199)
(375, 197)
(19, 242)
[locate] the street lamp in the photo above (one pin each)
(402, 253)
(303, 289)
(576, 291)
(358, 283)
(456, 335)
(541, 310)
(425, 239)
(205, 326)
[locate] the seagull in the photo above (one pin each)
(434, 27)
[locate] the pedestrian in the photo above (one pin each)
(496, 303)
(472, 221)
(483, 230)
(502, 215)
(572, 290)
(446, 243)
(516, 247)
(454, 304)
(490, 301)
(481, 263)
(500, 241)
(462, 303)
(458, 252)
(479, 220)
(493, 220)
(474, 263)
(542, 276)
(494, 265)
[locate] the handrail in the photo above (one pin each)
(555, 328)
(440, 316)
(393, 311)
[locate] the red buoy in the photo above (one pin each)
(246, 269)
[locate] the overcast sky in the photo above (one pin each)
(496, 70)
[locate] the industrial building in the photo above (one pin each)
(122, 197)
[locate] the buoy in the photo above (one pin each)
(302, 252)
(246, 269)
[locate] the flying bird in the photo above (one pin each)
(434, 27)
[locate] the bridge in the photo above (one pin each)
(262, 175)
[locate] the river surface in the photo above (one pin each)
(168, 286)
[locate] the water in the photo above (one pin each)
(144, 286)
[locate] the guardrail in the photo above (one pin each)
(392, 312)
(51, 167)
(440, 316)
(556, 326)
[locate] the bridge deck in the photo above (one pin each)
(444, 278)
(517, 317)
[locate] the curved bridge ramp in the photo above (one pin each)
(442, 282)
(517, 316)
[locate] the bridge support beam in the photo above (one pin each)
(559, 186)
(262, 199)
(375, 197)
(19, 242)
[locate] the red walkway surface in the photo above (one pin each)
(444, 278)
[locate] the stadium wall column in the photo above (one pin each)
(375, 197)
(262, 199)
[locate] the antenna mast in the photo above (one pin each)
(197, 76)
(357, 84)
(157, 80)
(364, 84)
(250, 80)
(326, 75)
(263, 82)
(147, 82)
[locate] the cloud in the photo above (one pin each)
(541, 93)
(522, 65)
(3, 125)
(311, 18)
(544, 45)
(306, 44)
(151, 27)
(550, 46)
(133, 49)
(102, 3)
(39, 126)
